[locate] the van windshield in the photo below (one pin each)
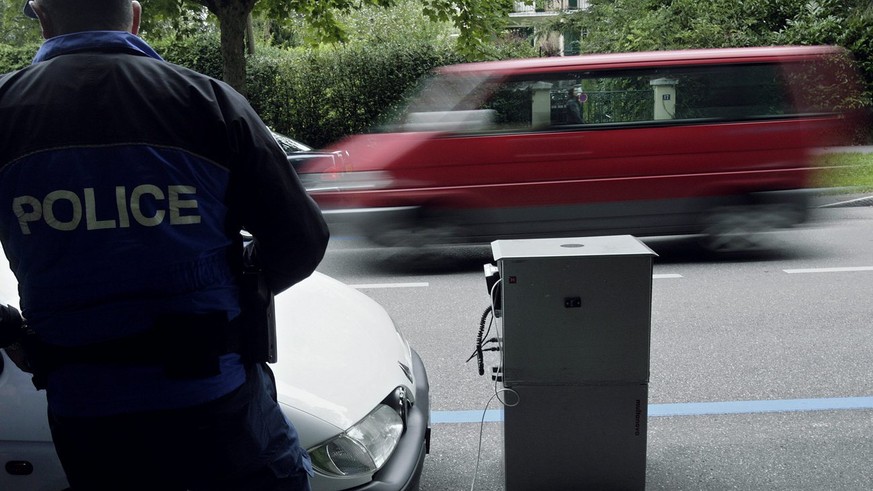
(444, 103)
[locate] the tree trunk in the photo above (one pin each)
(232, 16)
(250, 35)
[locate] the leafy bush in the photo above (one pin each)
(201, 53)
(16, 57)
(320, 95)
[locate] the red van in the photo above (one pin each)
(714, 142)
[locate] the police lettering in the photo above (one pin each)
(178, 206)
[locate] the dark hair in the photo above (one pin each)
(89, 15)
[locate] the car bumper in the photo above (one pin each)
(403, 469)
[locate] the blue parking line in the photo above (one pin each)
(690, 409)
(771, 406)
(491, 416)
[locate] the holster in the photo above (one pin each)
(258, 315)
(257, 319)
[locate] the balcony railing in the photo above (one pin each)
(549, 7)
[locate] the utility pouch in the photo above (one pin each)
(257, 320)
(34, 351)
(11, 325)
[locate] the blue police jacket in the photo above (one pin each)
(124, 183)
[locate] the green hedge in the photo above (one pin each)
(319, 96)
(201, 53)
(16, 57)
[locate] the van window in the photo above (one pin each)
(682, 95)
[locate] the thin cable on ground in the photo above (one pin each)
(496, 395)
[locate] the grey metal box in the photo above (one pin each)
(576, 438)
(575, 311)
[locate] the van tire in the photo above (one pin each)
(434, 227)
(429, 227)
(745, 228)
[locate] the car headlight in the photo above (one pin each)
(363, 448)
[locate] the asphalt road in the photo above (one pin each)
(761, 364)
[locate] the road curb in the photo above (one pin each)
(862, 201)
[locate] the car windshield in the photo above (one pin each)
(289, 145)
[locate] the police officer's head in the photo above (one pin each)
(59, 17)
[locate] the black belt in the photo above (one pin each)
(186, 345)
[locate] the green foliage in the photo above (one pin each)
(16, 57)
(174, 19)
(477, 21)
(858, 38)
(201, 53)
(321, 15)
(368, 24)
(15, 28)
(506, 46)
(635, 25)
(320, 95)
(409, 22)
(620, 25)
(721, 23)
(403, 22)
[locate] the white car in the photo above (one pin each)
(348, 380)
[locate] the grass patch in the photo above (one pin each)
(846, 170)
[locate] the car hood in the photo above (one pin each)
(339, 356)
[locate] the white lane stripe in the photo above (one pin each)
(391, 285)
(426, 284)
(829, 270)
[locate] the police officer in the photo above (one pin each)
(124, 184)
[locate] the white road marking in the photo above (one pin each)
(391, 285)
(425, 284)
(829, 270)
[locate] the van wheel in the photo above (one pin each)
(433, 227)
(428, 228)
(747, 227)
